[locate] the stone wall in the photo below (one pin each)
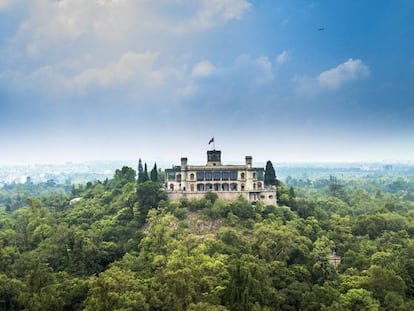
(268, 197)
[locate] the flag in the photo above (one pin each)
(211, 141)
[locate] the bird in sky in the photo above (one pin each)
(321, 29)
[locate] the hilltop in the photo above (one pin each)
(122, 246)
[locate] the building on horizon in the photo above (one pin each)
(228, 181)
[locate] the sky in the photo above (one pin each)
(307, 81)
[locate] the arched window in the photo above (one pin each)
(254, 186)
(225, 187)
(191, 176)
(216, 187)
(200, 187)
(242, 187)
(259, 185)
(242, 175)
(172, 187)
(179, 177)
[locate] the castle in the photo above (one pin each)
(228, 181)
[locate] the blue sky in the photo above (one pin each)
(122, 79)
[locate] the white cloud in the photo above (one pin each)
(245, 75)
(138, 74)
(336, 77)
(265, 69)
(332, 79)
(259, 70)
(130, 66)
(55, 22)
(283, 57)
(213, 13)
(61, 20)
(305, 85)
(76, 44)
(5, 4)
(203, 69)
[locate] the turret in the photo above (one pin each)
(213, 157)
(249, 161)
(184, 163)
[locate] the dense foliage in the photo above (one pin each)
(120, 245)
(14, 196)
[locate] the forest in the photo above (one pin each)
(118, 244)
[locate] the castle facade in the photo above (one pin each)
(228, 181)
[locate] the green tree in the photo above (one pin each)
(381, 281)
(359, 299)
(124, 176)
(191, 277)
(149, 195)
(270, 175)
(140, 170)
(320, 297)
(116, 289)
(242, 208)
(250, 287)
(154, 173)
(13, 293)
(145, 176)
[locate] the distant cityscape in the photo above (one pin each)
(76, 173)
(72, 173)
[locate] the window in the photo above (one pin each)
(209, 187)
(233, 187)
(171, 175)
(242, 187)
(192, 187)
(208, 175)
(172, 187)
(254, 186)
(200, 187)
(225, 175)
(242, 175)
(216, 187)
(191, 176)
(233, 175)
(200, 175)
(225, 187)
(270, 196)
(259, 185)
(216, 175)
(179, 177)
(254, 175)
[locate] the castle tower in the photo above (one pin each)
(213, 157)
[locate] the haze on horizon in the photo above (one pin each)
(324, 81)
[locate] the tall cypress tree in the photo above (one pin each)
(145, 174)
(140, 171)
(270, 175)
(154, 173)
